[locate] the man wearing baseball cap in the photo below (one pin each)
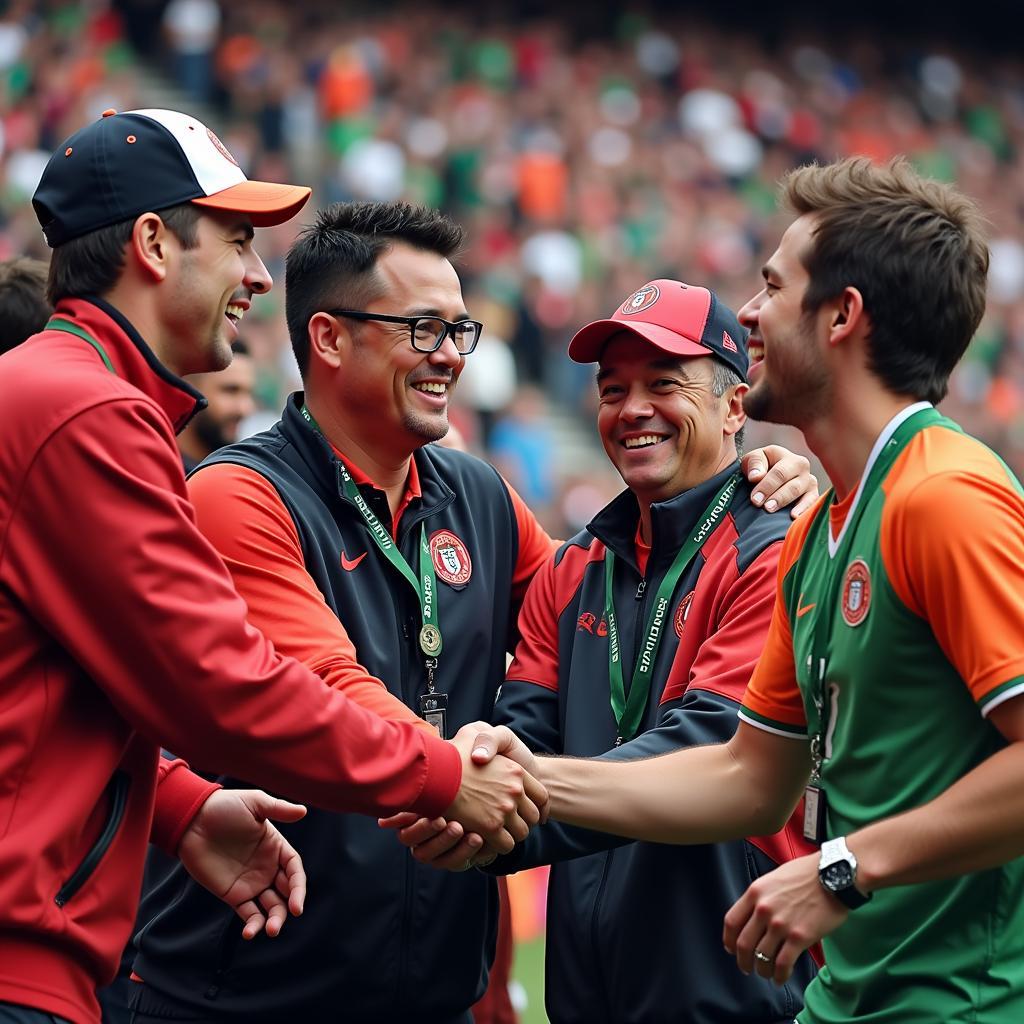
(119, 626)
(639, 637)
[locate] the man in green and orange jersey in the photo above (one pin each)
(889, 693)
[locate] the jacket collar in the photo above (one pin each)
(671, 521)
(132, 359)
(319, 456)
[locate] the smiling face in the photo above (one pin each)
(789, 380)
(661, 424)
(384, 387)
(211, 288)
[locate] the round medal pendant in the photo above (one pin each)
(430, 640)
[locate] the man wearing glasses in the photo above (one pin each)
(395, 569)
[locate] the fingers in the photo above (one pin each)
(788, 480)
(538, 796)
(251, 914)
(264, 806)
(450, 857)
(424, 829)
(807, 501)
(399, 821)
(291, 879)
(754, 465)
(276, 912)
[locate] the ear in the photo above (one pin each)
(735, 417)
(150, 246)
(847, 316)
(329, 340)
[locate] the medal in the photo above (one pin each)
(430, 640)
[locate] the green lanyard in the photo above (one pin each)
(425, 585)
(628, 711)
(56, 324)
(825, 612)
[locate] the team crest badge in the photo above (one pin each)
(682, 614)
(451, 559)
(221, 148)
(641, 300)
(856, 592)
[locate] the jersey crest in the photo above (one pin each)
(451, 559)
(682, 613)
(856, 592)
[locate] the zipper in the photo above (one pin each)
(118, 790)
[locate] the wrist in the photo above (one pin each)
(840, 875)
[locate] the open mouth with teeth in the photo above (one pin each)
(234, 313)
(755, 350)
(644, 441)
(430, 388)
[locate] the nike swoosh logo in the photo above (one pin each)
(348, 564)
(801, 611)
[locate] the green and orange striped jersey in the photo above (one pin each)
(920, 575)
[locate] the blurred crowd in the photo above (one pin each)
(583, 164)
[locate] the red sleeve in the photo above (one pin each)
(128, 585)
(536, 657)
(179, 795)
(535, 548)
(742, 613)
(242, 515)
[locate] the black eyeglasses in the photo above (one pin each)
(427, 333)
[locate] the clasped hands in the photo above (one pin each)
(498, 803)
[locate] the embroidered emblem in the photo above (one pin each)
(856, 592)
(586, 622)
(728, 343)
(682, 613)
(221, 148)
(641, 300)
(451, 559)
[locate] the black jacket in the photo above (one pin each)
(634, 929)
(382, 938)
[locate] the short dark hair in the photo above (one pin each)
(722, 378)
(332, 263)
(23, 306)
(914, 248)
(92, 263)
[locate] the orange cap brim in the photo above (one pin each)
(265, 202)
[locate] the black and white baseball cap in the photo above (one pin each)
(127, 164)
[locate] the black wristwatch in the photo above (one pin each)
(837, 872)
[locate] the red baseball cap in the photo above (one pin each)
(682, 319)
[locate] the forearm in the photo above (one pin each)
(698, 795)
(978, 823)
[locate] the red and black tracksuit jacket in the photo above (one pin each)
(382, 938)
(634, 929)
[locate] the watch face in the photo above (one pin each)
(837, 876)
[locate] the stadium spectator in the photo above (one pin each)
(229, 399)
(23, 306)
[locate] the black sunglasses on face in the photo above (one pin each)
(427, 333)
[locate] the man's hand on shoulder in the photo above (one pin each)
(782, 478)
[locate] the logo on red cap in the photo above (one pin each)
(728, 343)
(221, 148)
(641, 300)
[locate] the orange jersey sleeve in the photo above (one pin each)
(773, 701)
(953, 547)
(242, 515)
